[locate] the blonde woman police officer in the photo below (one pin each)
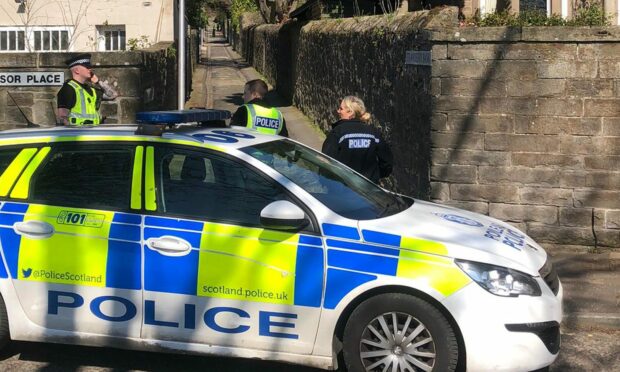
(80, 97)
(256, 113)
(357, 144)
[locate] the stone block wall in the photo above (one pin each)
(145, 80)
(243, 37)
(526, 128)
(519, 124)
(314, 65)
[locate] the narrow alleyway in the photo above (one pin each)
(218, 83)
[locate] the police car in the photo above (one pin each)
(228, 242)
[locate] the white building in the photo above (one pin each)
(83, 25)
(565, 8)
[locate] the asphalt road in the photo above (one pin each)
(582, 351)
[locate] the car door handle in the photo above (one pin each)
(34, 229)
(169, 245)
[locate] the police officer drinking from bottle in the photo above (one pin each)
(80, 97)
(256, 113)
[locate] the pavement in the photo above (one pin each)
(218, 83)
(591, 281)
(591, 284)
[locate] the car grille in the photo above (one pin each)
(550, 276)
(548, 332)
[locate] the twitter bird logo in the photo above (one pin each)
(27, 272)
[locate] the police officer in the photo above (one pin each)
(80, 97)
(355, 143)
(256, 113)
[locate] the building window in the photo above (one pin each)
(111, 38)
(533, 5)
(12, 40)
(35, 39)
(50, 40)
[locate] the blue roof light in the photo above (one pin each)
(181, 116)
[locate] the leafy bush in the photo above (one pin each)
(138, 43)
(592, 15)
(239, 7)
(196, 13)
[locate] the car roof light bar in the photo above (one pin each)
(170, 118)
(181, 116)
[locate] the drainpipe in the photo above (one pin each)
(181, 56)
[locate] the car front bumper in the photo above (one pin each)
(507, 333)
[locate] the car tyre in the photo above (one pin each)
(5, 335)
(399, 332)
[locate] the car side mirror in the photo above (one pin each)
(283, 215)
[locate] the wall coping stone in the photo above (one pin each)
(441, 25)
(551, 34)
(57, 60)
(427, 20)
(158, 47)
(99, 59)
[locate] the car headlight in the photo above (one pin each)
(500, 281)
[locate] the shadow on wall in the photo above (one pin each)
(467, 123)
(286, 61)
(519, 130)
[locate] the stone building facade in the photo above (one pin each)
(519, 124)
(84, 25)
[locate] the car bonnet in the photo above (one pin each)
(463, 235)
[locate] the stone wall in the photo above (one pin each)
(145, 80)
(243, 38)
(520, 124)
(316, 64)
(526, 128)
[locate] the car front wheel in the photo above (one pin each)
(398, 332)
(5, 336)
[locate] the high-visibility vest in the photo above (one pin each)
(264, 120)
(85, 109)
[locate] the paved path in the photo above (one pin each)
(218, 83)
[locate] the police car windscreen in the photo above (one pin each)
(338, 187)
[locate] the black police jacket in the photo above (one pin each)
(361, 147)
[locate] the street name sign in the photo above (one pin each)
(32, 78)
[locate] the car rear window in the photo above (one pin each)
(86, 177)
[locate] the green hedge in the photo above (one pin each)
(592, 15)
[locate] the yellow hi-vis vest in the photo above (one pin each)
(85, 109)
(264, 120)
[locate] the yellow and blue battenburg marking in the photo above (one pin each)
(352, 262)
(235, 262)
(97, 248)
(88, 247)
(102, 249)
